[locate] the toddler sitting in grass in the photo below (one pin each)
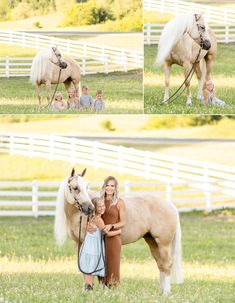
(99, 103)
(59, 103)
(86, 101)
(73, 100)
(209, 95)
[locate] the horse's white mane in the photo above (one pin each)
(171, 34)
(40, 64)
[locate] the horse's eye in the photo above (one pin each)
(75, 188)
(203, 28)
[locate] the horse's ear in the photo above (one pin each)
(72, 172)
(83, 173)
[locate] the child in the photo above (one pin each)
(99, 104)
(59, 104)
(209, 95)
(91, 256)
(86, 101)
(73, 101)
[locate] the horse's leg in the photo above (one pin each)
(38, 93)
(48, 89)
(163, 259)
(67, 84)
(202, 77)
(165, 265)
(167, 69)
(209, 61)
(187, 67)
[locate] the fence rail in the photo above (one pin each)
(20, 67)
(224, 33)
(213, 14)
(146, 164)
(36, 198)
(110, 58)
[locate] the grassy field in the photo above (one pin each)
(122, 93)
(33, 269)
(222, 74)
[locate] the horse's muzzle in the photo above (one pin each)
(63, 65)
(88, 210)
(206, 45)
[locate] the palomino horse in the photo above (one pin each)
(46, 67)
(180, 43)
(147, 217)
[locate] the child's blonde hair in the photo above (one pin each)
(97, 200)
(84, 87)
(58, 94)
(98, 92)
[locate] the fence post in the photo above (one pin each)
(207, 187)
(127, 187)
(226, 33)
(35, 198)
(148, 34)
(7, 67)
(105, 60)
(169, 188)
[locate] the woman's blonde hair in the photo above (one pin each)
(115, 196)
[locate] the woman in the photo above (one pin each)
(114, 218)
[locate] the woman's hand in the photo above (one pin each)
(108, 227)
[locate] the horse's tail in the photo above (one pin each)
(60, 226)
(177, 271)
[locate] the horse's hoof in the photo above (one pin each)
(189, 102)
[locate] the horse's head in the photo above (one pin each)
(56, 58)
(77, 192)
(199, 31)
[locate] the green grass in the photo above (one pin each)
(122, 93)
(33, 269)
(222, 75)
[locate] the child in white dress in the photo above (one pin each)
(92, 253)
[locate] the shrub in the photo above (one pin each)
(107, 124)
(23, 10)
(4, 9)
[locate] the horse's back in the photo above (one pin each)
(148, 214)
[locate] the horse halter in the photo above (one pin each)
(61, 64)
(77, 204)
(199, 30)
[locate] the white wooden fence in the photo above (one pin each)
(91, 56)
(148, 165)
(213, 14)
(224, 33)
(19, 67)
(37, 198)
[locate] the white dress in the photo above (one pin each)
(92, 254)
